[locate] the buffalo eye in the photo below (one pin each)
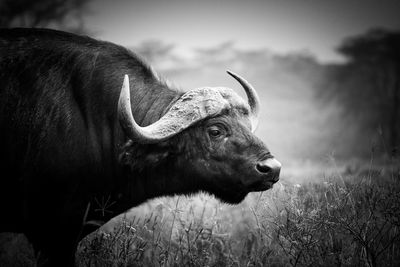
(215, 131)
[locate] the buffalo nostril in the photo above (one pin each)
(263, 168)
(271, 167)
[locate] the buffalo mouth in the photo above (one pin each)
(233, 195)
(259, 186)
(231, 198)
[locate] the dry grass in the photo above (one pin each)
(351, 218)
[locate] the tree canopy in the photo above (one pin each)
(59, 14)
(368, 85)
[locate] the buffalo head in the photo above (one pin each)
(207, 135)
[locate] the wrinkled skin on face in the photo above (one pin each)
(217, 155)
(229, 157)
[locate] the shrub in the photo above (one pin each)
(346, 220)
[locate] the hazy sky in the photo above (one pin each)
(280, 25)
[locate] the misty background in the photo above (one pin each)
(328, 76)
(327, 72)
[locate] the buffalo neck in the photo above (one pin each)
(160, 172)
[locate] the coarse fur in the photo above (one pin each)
(66, 161)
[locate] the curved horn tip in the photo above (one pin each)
(126, 80)
(125, 93)
(252, 96)
(231, 73)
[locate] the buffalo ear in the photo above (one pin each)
(156, 158)
(138, 157)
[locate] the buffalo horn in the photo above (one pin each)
(254, 100)
(191, 107)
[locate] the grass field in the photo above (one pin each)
(347, 217)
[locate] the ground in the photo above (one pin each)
(335, 214)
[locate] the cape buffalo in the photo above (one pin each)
(71, 138)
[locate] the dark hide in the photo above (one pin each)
(165, 168)
(65, 159)
(60, 137)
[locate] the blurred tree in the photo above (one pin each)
(58, 14)
(368, 85)
(375, 56)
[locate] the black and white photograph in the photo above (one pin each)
(199, 133)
